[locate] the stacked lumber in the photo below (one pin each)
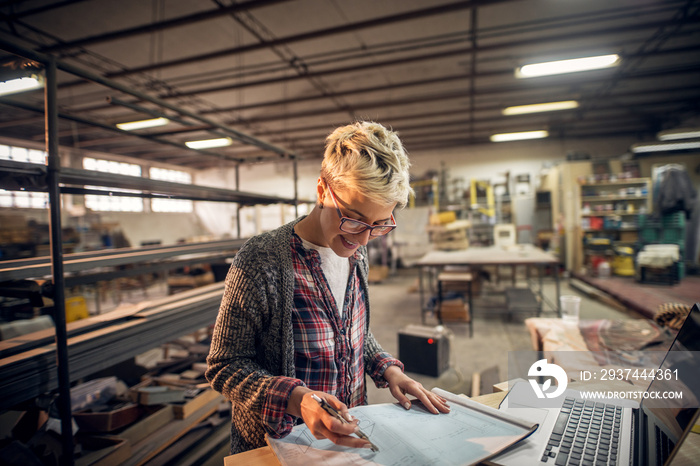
(450, 236)
(28, 363)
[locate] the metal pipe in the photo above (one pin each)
(59, 307)
(543, 84)
(162, 25)
(51, 6)
(97, 124)
(462, 51)
(350, 27)
(148, 111)
(156, 113)
(238, 206)
(173, 250)
(296, 187)
(268, 81)
(364, 90)
(42, 58)
(80, 262)
(316, 74)
(472, 70)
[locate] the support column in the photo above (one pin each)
(59, 314)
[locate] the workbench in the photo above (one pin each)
(518, 299)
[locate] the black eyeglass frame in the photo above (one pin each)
(372, 228)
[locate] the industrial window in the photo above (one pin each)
(22, 154)
(112, 203)
(111, 166)
(23, 199)
(170, 205)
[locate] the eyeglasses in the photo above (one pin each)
(355, 227)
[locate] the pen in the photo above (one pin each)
(333, 412)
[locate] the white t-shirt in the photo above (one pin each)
(336, 269)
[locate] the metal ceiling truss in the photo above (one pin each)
(473, 86)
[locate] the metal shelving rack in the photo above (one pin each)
(56, 180)
(615, 205)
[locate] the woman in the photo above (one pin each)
(294, 318)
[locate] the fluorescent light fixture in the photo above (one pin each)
(26, 83)
(503, 137)
(664, 146)
(680, 133)
(567, 66)
(141, 124)
(543, 107)
(209, 143)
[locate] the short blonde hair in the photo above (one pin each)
(367, 156)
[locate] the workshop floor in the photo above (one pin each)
(395, 304)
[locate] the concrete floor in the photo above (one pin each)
(395, 303)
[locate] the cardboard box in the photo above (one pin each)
(107, 420)
(377, 273)
(455, 310)
(629, 236)
(463, 286)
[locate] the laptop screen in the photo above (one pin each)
(671, 406)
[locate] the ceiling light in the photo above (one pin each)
(209, 143)
(543, 107)
(567, 66)
(680, 133)
(664, 146)
(502, 137)
(25, 83)
(141, 124)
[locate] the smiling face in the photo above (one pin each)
(352, 204)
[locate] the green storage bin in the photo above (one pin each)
(674, 220)
(649, 235)
(648, 221)
(672, 235)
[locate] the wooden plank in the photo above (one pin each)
(209, 442)
(191, 406)
(150, 446)
(262, 456)
(148, 425)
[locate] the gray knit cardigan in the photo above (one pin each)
(253, 340)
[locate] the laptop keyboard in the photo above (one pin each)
(585, 433)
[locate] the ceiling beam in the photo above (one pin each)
(17, 49)
(160, 25)
(348, 27)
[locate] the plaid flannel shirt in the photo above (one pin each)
(328, 349)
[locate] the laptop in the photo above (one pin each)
(581, 429)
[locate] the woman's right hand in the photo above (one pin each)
(322, 424)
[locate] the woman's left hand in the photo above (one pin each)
(401, 385)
